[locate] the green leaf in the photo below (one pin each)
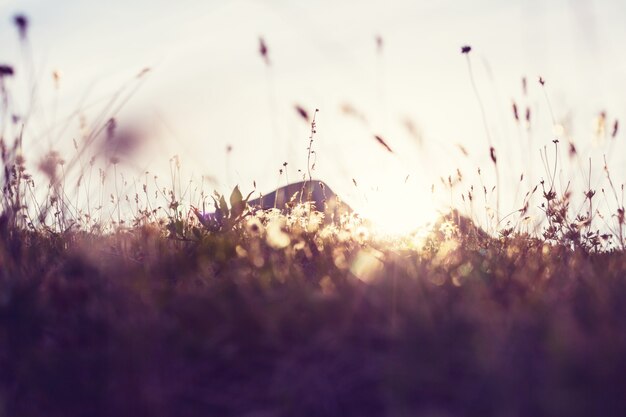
(219, 215)
(235, 196)
(224, 206)
(237, 204)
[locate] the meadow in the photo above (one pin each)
(207, 306)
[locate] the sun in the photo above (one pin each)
(398, 210)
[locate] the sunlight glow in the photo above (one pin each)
(397, 212)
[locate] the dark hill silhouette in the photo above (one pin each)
(316, 192)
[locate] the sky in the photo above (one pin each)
(209, 89)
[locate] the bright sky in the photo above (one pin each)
(212, 89)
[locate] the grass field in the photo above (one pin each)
(241, 322)
(214, 308)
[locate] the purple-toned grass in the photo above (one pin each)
(165, 304)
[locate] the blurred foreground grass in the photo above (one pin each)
(276, 316)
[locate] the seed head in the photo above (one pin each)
(383, 143)
(303, 113)
(263, 50)
(6, 70)
(21, 22)
(379, 43)
(572, 150)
